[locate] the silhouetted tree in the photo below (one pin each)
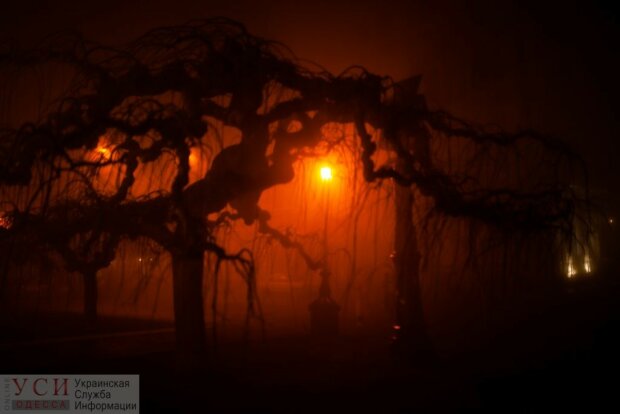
(173, 90)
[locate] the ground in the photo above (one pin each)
(562, 356)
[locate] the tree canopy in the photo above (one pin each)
(111, 157)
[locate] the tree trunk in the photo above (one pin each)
(90, 295)
(411, 336)
(187, 270)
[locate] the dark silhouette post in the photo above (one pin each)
(410, 334)
(324, 311)
(409, 331)
(187, 274)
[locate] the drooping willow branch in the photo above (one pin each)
(288, 242)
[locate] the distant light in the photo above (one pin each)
(610, 220)
(396, 327)
(326, 173)
(140, 259)
(193, 159)
(5, 222)
(104, 152)
(586, 264)
(570, 269)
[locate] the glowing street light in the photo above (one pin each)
(570, 268)
(326, 173)
(104, 152)
(587, 266)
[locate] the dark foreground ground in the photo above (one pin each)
(564, 356)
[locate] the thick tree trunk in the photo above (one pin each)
(91, 294)
(410, 328)
(187, 269)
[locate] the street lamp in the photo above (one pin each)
(324, 310)
(326, 173)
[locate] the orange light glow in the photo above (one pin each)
(5, 222)
(570, 268)
(104, 152)
(193, 159)
(326, 173)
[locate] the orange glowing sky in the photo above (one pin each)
(501, 62)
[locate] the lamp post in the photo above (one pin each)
(326, 178)
(324, 311)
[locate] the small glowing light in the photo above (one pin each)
(140, 259)
(610, 220)
(5, 222)
(193, 159)
(586, 264)
(326, 173)
(570, 269)
(104, 152)
(396, 327)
